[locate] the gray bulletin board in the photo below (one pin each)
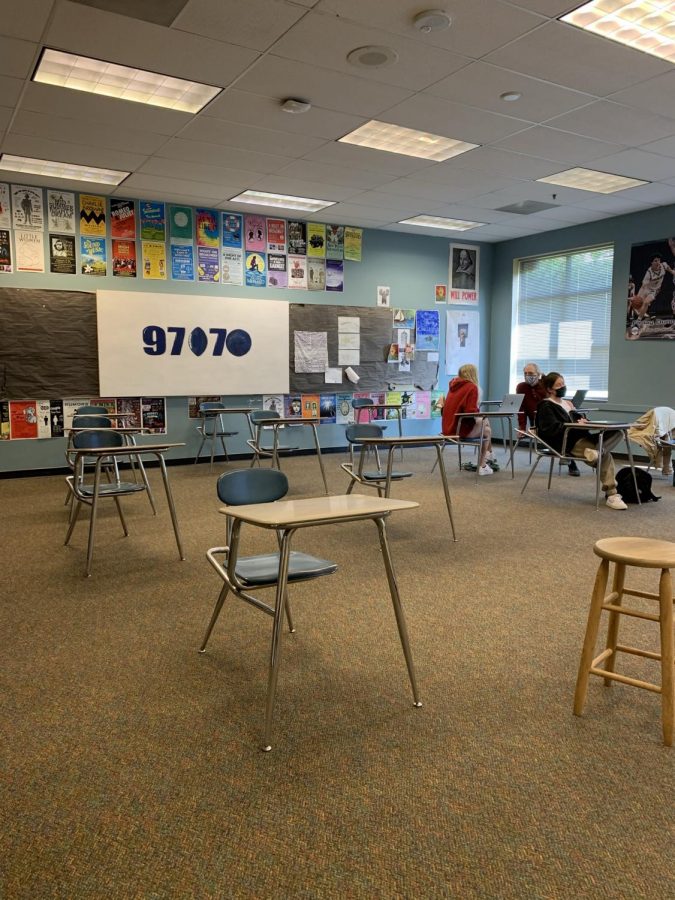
(377, 334)
(48, 344)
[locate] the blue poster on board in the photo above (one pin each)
(182, 262)
(231, 230)
(427, 327)
(256, 270)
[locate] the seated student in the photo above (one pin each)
(462, 397)
(552, 415)
(533, 392)
(658, 422)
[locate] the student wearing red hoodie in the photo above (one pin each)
(462, 397)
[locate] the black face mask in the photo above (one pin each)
(561, 391)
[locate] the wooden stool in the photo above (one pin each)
(644, 553)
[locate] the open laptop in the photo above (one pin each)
(578, 399)
(511, 403)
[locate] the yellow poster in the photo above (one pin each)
(353, 243)
(316, 239)
(154, 260)
(92, 215)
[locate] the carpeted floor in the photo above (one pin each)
(131, 765)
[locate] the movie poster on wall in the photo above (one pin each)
(316, 240)
(182, 262)
(153, 224)
(297, 239)
(123, 219)
(154, 260)
(92, 215)
(277, 276)
(92, 256)
(61, 211)
(27, 207)
(276, 236)
(180, 224)
(650, 307)
(297, 272)
(124, 258)
(256, 270)
(335, 241)
(232, 231)
(463, 274)
(254, 230)
(5, 252)
(5, 211)
(208, 228)
(30, 251)
(233, 266)
(208, 264)
(62, 254)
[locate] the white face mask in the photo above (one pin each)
(532, 379)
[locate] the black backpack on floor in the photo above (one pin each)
(626, 487)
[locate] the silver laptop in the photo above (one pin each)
(511, 403)
(578, 399)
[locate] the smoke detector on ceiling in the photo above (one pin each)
(372, 57)
(432, 20)
(295, 106)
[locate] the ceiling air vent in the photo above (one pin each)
(527, 207)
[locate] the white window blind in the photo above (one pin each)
(562, 317)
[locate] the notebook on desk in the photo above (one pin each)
(578, 399)
(511, 403)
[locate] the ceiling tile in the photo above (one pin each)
(256, 23)
(81, 29)
(502, 162)
(383, 200)
(550, 143)
(81, 154)
(10, 90)
(665, 147)
(654, 194)
(636, 164)
(272, 76)
(324, 40)
(363, 179)
(614, 205)
(573, 58)
(217, 155)
(365, 158)
(27, 19)
(478, 26)
(447, 181)
(608, 121)
(215, 131)
(5, 116)
(188, 199)
(480, 84)
(91, 108)
(17, 58)
(161, 12)
(80, 131)
(301, 187)
(345, 212)
(252, 109)
(656, 95)
(454, 120)
(553, 8)
(223, 176)
(160, 187)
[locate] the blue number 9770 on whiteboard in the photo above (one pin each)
(237, 342)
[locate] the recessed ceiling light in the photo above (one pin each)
(397, 139)
(372, 57)
(432, 20)
(510, 96)
(82, 73)
(440, 222)
(590, 180)
(282, 201)
(647, 25)
(60, 170)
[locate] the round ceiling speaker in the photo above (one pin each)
(372, 57)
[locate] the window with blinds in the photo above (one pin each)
(562, 316)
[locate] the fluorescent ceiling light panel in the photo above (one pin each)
(647, 25)
(81, 73)
(60, 170)
(590, 180)
(440, 222)
(407, 141)
(282, 201)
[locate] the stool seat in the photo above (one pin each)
(639, 553)
(645, 553)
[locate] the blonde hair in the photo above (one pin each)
(469, 372)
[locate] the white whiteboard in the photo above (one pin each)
(186, 345)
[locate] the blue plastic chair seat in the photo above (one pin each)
(264, 569)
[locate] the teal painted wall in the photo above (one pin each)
(410, 264)
(641, 373)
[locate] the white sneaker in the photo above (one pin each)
(485, 470)
(591, 457)
(614, 501)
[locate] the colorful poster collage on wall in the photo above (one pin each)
(206, 245)
(39, 419)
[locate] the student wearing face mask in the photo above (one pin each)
(533, 391)
(552, 416)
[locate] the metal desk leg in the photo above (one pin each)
(446, 489)
(172, 508)
(275, 653)
(390, 468)
(398, 609)
(597, 470)
(317, 445)
(512, 447)
(632, 466)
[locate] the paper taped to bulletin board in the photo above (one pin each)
(173, 344)
(462, 339)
